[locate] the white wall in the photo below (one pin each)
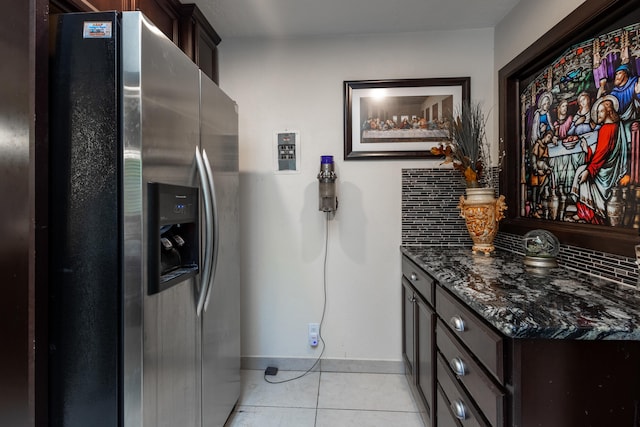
(526, 23)
(298, 85)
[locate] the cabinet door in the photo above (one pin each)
(199, 40)
(408, 326)
(425, 344)
(207, 54)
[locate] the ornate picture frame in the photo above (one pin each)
(573, 67)
(398, 119)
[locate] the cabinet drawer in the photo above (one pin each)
(489, 398)
(458, 403)
(420, 280)
(445, 417)
(485, 343)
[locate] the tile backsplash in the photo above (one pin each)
(429, 208)
(430, 217)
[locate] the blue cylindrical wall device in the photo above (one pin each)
(328, 201)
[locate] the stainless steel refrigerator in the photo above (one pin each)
(144, 294)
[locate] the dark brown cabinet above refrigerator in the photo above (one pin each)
(199, 40)
(184, 24)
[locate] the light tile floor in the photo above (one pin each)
(325, 399)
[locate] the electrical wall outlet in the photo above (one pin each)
(314, 334)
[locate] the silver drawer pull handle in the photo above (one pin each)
(411, 299)
(414, 277)
(457, 324)
(459, 410)
(458, 366)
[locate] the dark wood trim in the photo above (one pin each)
(191, 11)
(73, 5)
(587, 20)
(171, 8)
(39, 164)
(187, 42)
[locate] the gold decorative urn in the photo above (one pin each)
(482, 213)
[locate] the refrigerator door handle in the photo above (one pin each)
(208, 241)
(216, 227)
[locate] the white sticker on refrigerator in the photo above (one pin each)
(97, 30)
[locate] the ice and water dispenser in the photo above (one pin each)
(173, 235)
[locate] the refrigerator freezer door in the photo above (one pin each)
(85, 245)
(221, 320)
(161, 131)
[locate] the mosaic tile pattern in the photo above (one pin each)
(430, 217)
(429, 208)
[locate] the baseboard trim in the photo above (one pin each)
(324, 365)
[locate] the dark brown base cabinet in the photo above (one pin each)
(576, 383)
(418, 341)
(464, 372)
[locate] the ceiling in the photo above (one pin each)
(312, 18)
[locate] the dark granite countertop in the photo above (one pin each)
(561, 304)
